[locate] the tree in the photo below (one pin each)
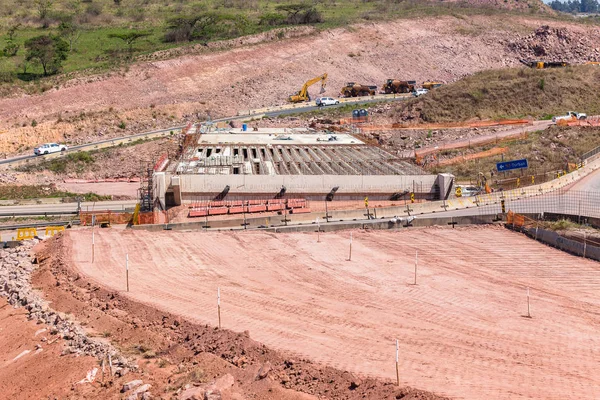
(70, 31)
(11, 48)
(129, 38)
(48, 51)
(43, 7)
(300, 13)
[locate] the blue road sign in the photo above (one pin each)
(508, 165)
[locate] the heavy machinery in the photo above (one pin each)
(545, 64)
(353, 89)
(398, 86)
(303, 95)
(431, 85)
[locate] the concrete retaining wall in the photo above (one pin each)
(312, 187)
(311, 226)
(571, 246)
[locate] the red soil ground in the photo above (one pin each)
(462, 329)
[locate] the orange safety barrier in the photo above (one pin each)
(299, 210)
(478, 124)
(474, 156)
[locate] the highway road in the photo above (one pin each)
(157, 133)
(65, 208)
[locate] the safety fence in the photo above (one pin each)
(530, 201)
(581, 242)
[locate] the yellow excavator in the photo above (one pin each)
(302, 95)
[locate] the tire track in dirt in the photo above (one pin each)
(461, 331)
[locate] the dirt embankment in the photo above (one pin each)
(222, 82)
(180, 359)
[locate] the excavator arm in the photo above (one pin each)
(302, 95)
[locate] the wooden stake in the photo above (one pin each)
(127, 270)
(416, 263)
(350, 255)
(397, 367)
(219, 305)
(110, 370)
(528, 306)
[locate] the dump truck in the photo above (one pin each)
(545, 64)
(431, 85)
(398, 86)
(303, 95)
(353, 89)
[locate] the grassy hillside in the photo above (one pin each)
(511, 93)
(547, 150)
(169, 24)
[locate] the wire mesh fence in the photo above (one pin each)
(531, 202)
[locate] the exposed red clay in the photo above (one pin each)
(462, 329)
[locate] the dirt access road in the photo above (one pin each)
(461, 329)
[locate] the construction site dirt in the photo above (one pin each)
(463, 329)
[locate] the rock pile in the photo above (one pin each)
(16, 267)
(557, 44)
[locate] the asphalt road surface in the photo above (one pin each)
(66, 208)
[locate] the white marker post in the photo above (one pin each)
(127, 270)
(350, 255)
(219, 305)
(318, 230)
(93, 245)
(397, 367)
(528, 305)
(416, 263)
(584, 244)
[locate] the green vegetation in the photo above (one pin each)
(103, 34)
(513, 93)
(19, 192)
(76, 162)
(561, 225)
(549, 150)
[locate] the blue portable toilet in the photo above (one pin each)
(244, 127)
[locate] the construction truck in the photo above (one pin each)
(431, 85)
(303, 95)
(545, 64)
(353, 89)
(398, 86)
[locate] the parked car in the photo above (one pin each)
(467, 191)
(570, 116)
(327, 101)
(420, 92)
(48, 148)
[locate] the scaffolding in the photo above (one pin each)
(146, 192)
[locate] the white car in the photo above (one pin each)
(327, 101)
(468, 191)
(570, 116)
(48, 148)
(420, 92)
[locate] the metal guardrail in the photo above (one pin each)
(39, 225)
(94, 146)
(347, 100)
(590, 153)
(36, 213)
